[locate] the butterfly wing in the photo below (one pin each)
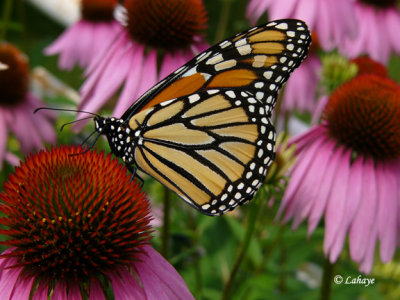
(215, 159)
(205, 131)
(259, 61)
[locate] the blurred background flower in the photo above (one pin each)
(78, 226)
(82, 41)
(377, 22)
(171, 29)
(17, 105)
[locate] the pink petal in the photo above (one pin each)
(124, 285)
(324, 188)
(304, 160)
(366, 264)
(127, 97)
(41, 292)
(336, 206)
(280, 10)
(306, 11)
(387, 211)
(323, 26)
(365, 219)
(256, 8)
(22, 288)
(8, 279)
(96, 292)
(352, 201)
(60, 291)
(150, 65)
(74, 292)
(159, 278)
(306, 196)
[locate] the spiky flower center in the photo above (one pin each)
(165, 24)
(363, 114)
(381, 3)
(14, 75)
(98, 10)
(73, 217)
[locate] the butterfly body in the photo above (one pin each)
(205, 130)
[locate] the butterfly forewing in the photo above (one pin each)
(259, 61)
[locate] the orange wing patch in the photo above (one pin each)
(181, 87)
(233, 78)
(269, 35)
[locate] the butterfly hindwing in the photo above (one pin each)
(213, 159)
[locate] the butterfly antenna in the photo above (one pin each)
(65, 109)
(72, 122)
(88, 148)
(88, 137)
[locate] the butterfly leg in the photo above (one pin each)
(133, 170)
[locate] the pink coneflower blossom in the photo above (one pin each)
(347, 171)
(78, 228)
(331, 20)
(378, 36)
(169, 28)
(89, 36)
(17, 105)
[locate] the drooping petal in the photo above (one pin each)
(125, 287)
(353, 198)
(96, 292)
(365, 219)
(158, 276)
(336, 206)
(387, 211)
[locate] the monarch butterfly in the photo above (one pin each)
(205, 131)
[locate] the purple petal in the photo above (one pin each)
(22, 288)
(387, 211)
(324, 188)
(392, 25)
(366, 264)
(310, 181)
(365, 219)
(73, 292)
(150, 65)
(127, 97)
(324, 27)
(125, 286)
(159, 278)
(336, 206)
(8, 278)
(255, 9)
(307, 11)
(352, 201)
(41, 291)
(96, 292)
(303, 162)
(281, 10)
(60, 291)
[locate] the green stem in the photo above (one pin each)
(196, 257)
(166, 222)
(326, 284)
(223, 21)
(241, 254)
(7, 9)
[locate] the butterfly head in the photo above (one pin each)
(120, 136)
